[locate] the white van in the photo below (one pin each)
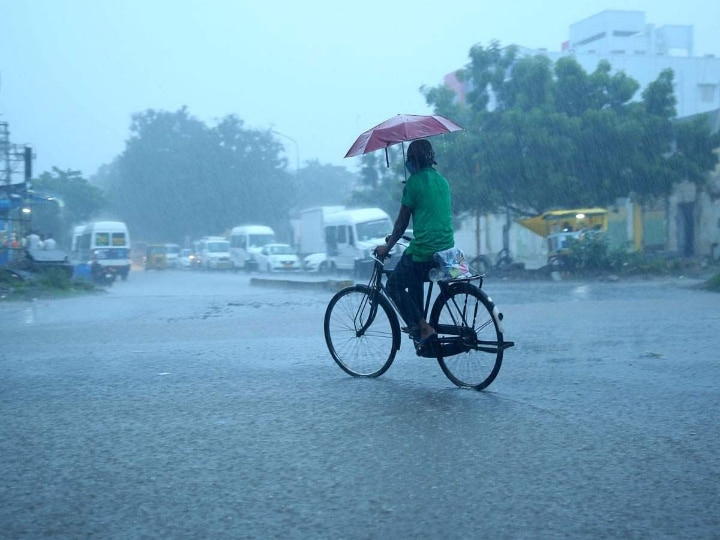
(351, 235)
(214, 253)
(106, 243)
(172, 252)
(246, 241)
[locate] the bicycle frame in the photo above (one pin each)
(376, 286)
(464, 327)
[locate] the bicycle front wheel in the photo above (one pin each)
(470, 342)
(361, 335)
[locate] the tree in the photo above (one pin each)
(540, 136)
(380, 186)
(321, 185)
(81, 201)
(179, 178)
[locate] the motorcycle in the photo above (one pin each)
(102, 275)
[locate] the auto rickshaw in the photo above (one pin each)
(559, 226)
(156, 257)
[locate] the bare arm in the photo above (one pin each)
(401, 223)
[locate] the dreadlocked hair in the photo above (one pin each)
(421, 154)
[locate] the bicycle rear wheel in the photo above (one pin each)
(362, 336)
(470, 341)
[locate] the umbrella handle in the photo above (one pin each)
(387, 158)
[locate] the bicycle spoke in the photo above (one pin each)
(360, 335)
(470, 352)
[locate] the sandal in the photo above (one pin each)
(424, 345)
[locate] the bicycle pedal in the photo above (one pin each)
(426, 351)
(426, 348)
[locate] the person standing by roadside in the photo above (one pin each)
(426, 199)
(32, 241)
(49, 242)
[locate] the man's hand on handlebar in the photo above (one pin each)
(382, 251)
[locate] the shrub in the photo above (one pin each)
(588, 254)
(55, 278)
(713, 284)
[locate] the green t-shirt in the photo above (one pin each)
(427, 194)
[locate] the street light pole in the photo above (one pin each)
(297, 148)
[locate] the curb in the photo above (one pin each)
(322, 285)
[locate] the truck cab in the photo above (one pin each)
(351, 235)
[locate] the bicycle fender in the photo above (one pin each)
(496, 313)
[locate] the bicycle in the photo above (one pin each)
(363, 332)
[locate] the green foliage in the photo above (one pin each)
(694, 155)
(713, 284)
(658, 96)
(540, 136)
(179, 178)
(380, 186)
(81, 201)
(51, 282)
(637, 263)
(321, 185)
(55, 278)
(588, 254)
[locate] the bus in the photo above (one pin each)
(104, 243)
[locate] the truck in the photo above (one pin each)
(351, 235)
(311, 231)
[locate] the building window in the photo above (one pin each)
(707, 93)
(590, 39)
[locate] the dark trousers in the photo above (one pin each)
(406, 287)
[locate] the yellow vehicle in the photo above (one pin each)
(559, 226)
(156, 257)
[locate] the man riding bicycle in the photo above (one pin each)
(427, 200)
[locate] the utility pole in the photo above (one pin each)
(5, 153)
(12, 156)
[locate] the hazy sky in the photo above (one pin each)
(318, 71)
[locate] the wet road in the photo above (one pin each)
(193, 405)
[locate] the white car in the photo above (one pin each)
(317, 262)
(172, 253)
(278, 258)
(186, 258)
(215, 253)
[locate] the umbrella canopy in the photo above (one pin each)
(398, 129)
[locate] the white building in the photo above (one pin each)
(642, 51)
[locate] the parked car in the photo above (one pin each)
(317, 262)
(173, 255)
(156, 257)
(214, 253)
(278, 258)
(186, 258)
